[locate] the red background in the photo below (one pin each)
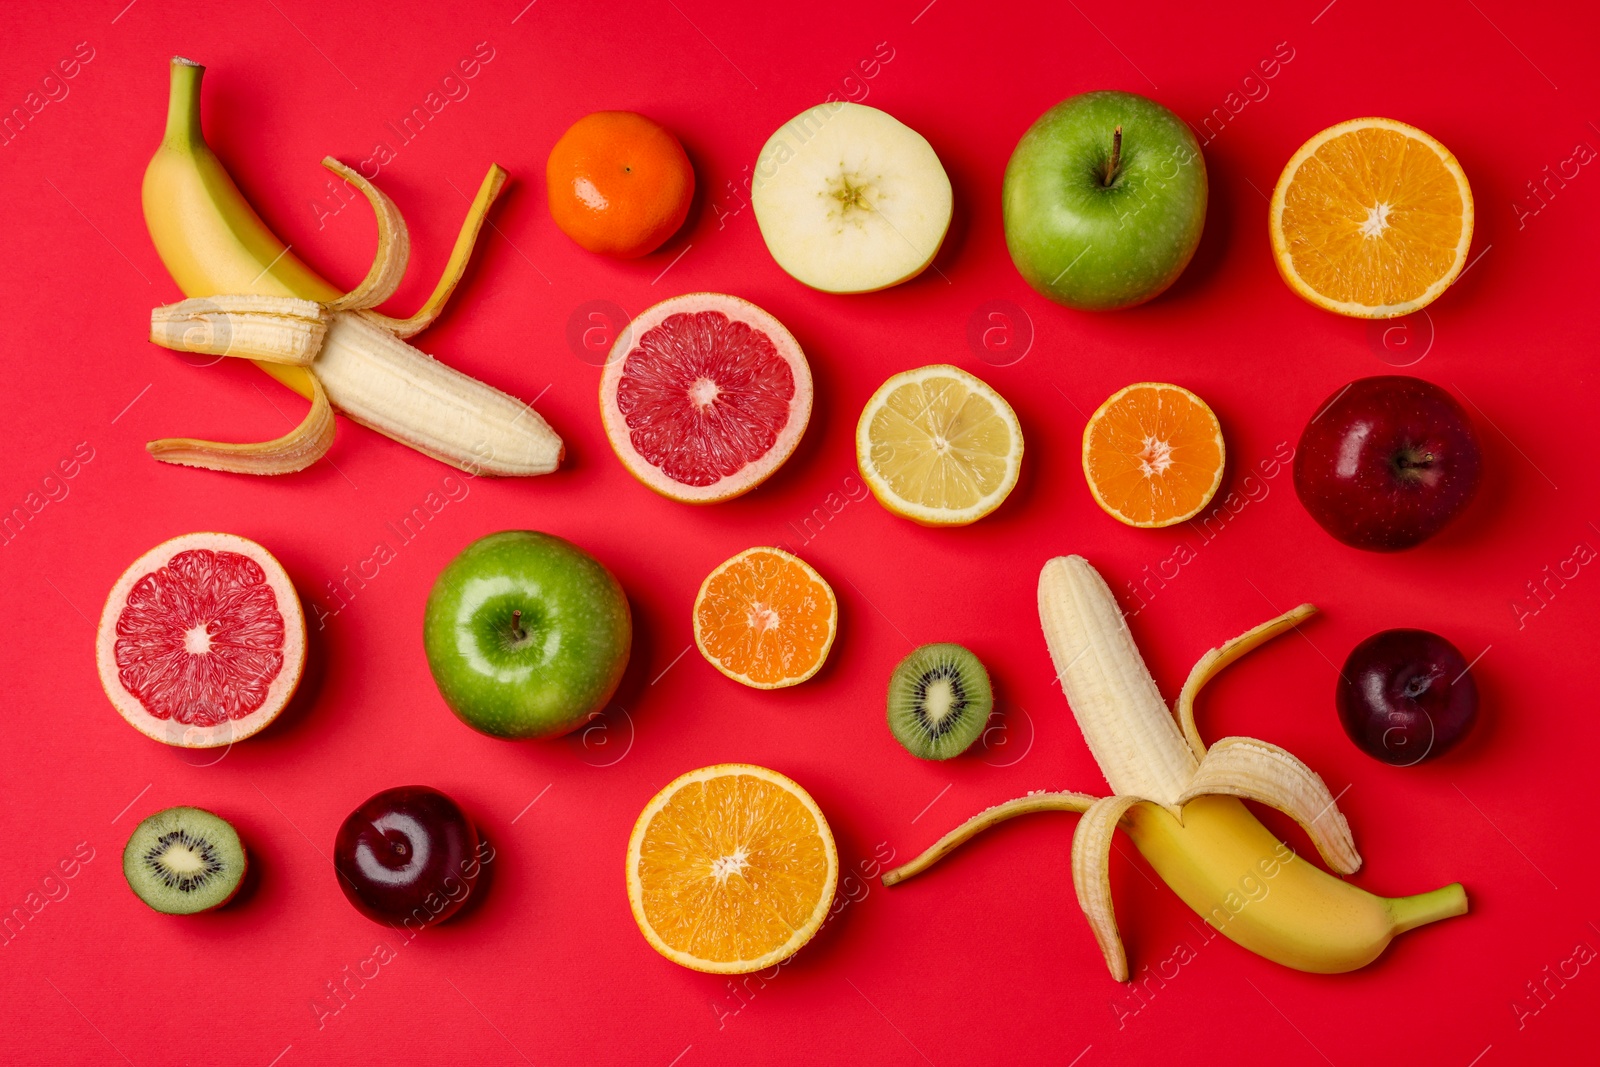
(986, 959)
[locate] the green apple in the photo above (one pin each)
(1104, 200)
(527, 635)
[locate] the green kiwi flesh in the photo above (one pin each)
(184, 860)
(939, 701)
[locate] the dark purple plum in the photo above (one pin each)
(409, 855)
(1387, 462)
(1406, 696)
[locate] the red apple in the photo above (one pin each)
(408, 856)
(1406, 696)
(1386, 462)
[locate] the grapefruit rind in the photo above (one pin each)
(801, 935)
(919, 513)
(745, 679)
(279, 693)
(1284, 259)
(753, 473)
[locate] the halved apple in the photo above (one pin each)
(849, 199)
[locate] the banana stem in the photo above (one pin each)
(1424, 908)
(183, 105)
(980, 822)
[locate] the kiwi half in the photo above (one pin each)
(939, 701)
(184, 860)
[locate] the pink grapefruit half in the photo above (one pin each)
(202, 641)
(704, 396)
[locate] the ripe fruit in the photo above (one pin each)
(849, 199)
(765, 618)
(938, 446)
(1371, 218)
(1177, 799)
(619, 183)
(731, 869)
(1104, 200)
(527, 635)
(1406, 696)
(1153, 455)
(704, 396)
(216, 247)
(407, 854)
(184, 860)
(201, 641)
(939, 701)
(1387, 462)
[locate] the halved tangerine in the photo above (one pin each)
(1153, 454)
(765, 618)
(704, 396)
(1371, 218)
(202, 641)
(731, 869)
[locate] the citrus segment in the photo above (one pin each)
(201, 641)
(731, 869)
(704, 396)
(1371, 218)
(1153, 454)
(765, 618)
(939, 446)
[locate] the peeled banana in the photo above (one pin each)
(251, 297)
(1179, 801)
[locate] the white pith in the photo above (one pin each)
(197, 640)
(1376, 222)
(703, 392)
(724, 867)
(763, 618)
(1156, 457)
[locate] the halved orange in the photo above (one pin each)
(1371, 218)
(731, 869)
(765, 618)
(1153, 454)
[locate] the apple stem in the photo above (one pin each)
(1116, 157)
(516, 624)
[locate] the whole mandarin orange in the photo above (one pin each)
(620, 184)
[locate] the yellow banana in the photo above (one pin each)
(1252, 887)
(1177, 799)
(215, 246)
